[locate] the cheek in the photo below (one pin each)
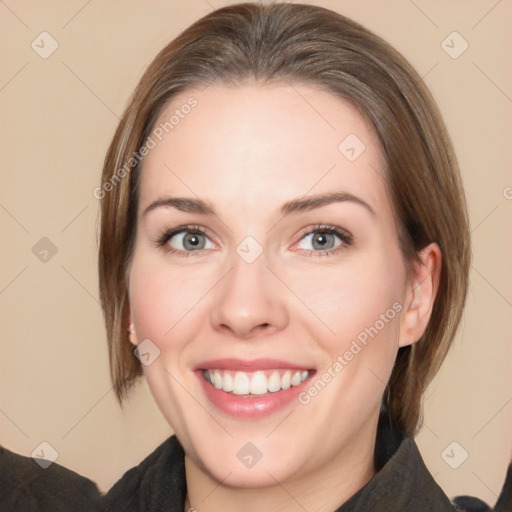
(163, 300)
(358, 301)
(360, 310)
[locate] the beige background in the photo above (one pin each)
(57, 118)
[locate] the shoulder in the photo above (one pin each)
(427, 490)
(401, 470)
(503, 504)
(419, 490)
(463, 503)
(404, 483)
(154, 484)
(27, 486)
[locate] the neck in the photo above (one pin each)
(324, 489)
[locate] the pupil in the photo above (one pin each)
(321, 239)
(192, 239)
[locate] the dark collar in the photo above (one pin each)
(402, 483)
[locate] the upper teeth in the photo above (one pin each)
(255, 383)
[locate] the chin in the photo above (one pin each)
(259, 476)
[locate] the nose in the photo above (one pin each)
(249, 300)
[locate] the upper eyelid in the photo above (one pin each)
(170, 233)
(345, 234)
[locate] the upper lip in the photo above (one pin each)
(248, 364)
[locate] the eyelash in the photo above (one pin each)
(344, 235)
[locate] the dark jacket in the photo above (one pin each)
(26, 487)
(402, 483)
(157, 484)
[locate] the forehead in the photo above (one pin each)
(261, 144)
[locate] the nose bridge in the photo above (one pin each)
(248, 297)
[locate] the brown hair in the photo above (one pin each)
(282, 42)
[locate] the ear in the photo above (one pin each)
(421, 292)
(131, 331)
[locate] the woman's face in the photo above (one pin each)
(274, 290)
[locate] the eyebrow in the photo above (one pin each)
(303, 204)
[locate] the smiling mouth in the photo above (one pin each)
(256, 383)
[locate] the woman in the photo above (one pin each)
(284, 254)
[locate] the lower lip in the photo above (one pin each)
(250, 406)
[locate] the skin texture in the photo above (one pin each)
(247, 150)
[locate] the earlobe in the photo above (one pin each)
(131, 335)
(420, 296)
(131, 331)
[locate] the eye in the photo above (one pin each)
(184, 240)
(325, 240)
